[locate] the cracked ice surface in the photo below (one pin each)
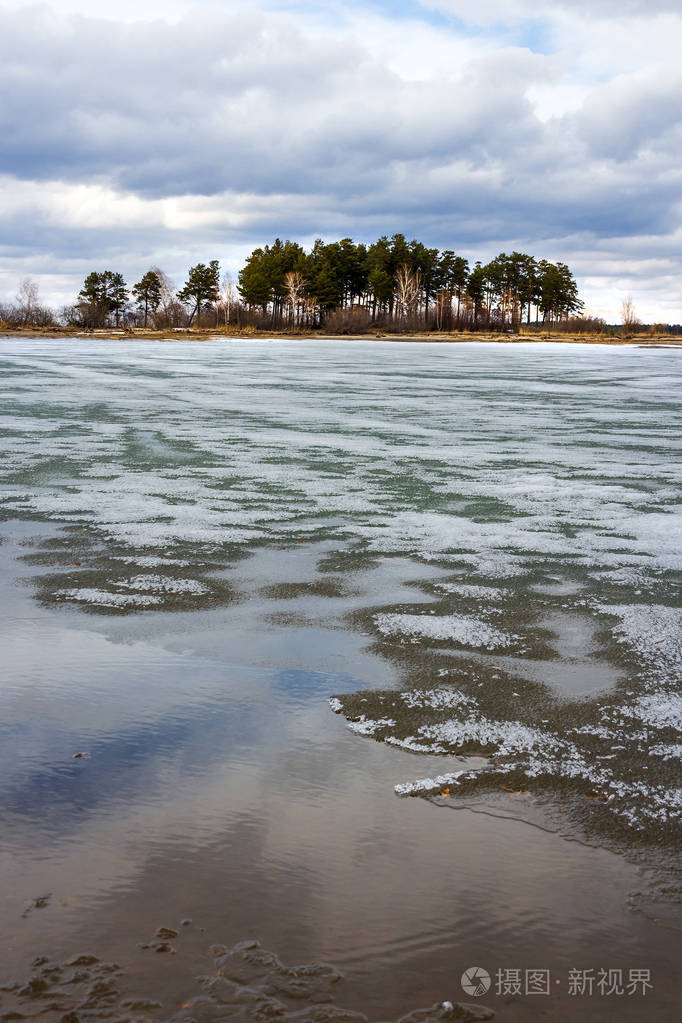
(497, 451)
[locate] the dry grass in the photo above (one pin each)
(216, 334)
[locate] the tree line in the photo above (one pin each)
(390, 283)
(395, 282)
(342, 286)
(105, 300)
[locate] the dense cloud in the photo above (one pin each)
(156, 139)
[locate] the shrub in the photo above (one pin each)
(355, 320)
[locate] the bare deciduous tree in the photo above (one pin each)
(628, 314)
(228, 298)
(172, 312)
(407, 291)
(311, 310)
(294, 282)
(27, 299)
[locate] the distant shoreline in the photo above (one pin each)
(436, 337)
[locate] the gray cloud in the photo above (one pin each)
(141, 142)
(639, 113)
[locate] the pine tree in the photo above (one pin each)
(101, 295)
(118, 296)
(201, 287)
(147, 293)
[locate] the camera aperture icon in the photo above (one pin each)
(476, 981)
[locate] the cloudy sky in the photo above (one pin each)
(140, 132)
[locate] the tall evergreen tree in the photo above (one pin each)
(201, 288)
(254, 283)
(380, 274)
(118, 296)
(101, 295)
(476, 289)
(147, 293)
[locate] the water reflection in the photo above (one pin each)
(220, 787)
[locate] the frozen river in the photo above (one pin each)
(470, 552)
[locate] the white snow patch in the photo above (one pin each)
(152, 561)
(667, 752)
(436, 699)
(659, 710)
(104, 598)
(460, 628)
(414, 788)
(473, 591)
(654, 631)
(162, 584)
(367, 726)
